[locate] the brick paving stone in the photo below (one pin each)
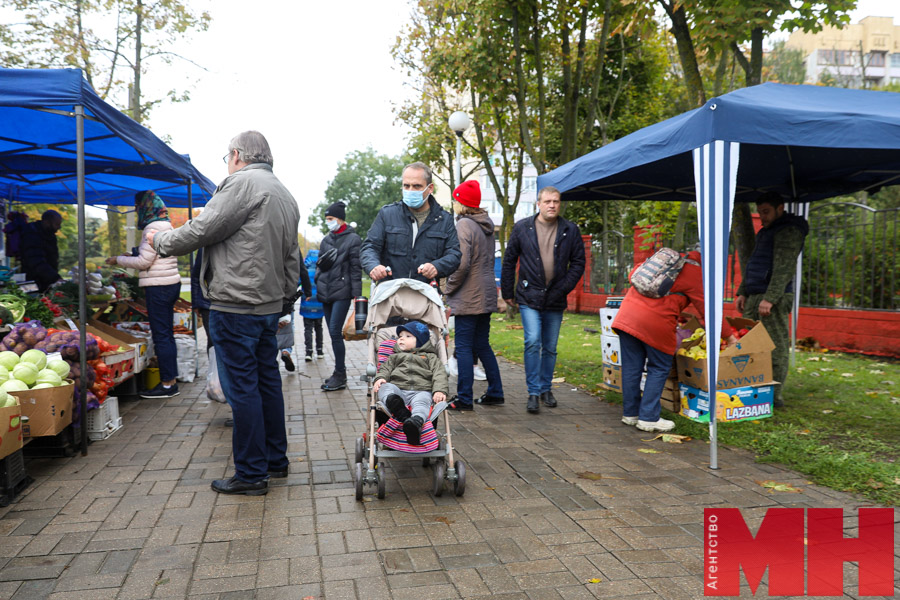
(136, 519)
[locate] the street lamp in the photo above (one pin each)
(459, 122)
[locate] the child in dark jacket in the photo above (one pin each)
(411, 378)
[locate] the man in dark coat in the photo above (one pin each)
(766, 292)
(415, 238)
(39, 252)
(550, 255)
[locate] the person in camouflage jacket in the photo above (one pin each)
(766, 292)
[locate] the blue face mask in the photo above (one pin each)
(413, 198)
(332, 225)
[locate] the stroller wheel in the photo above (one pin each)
(360, 449)
(439, 471)
(426, 462)
(459, 485)
(359, 481)
(379, 475)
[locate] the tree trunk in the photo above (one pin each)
(680, 222)
(524, 130)
(540, 163)
(742, 233)
(756, 57)
(686, 54)
(138, 49)
(595, 83)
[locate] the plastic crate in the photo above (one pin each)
(104, 421)
(13, 478)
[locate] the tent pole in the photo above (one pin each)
(795, 206)
(190, 203)
(82, 299)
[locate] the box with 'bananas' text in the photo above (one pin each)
(747, 363)
(737, 404)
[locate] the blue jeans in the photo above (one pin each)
(246, 352)
(161, 312)
(634, 404)
(473, 339)
(335, 315)
(541, 329)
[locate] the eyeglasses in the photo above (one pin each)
(227, 156)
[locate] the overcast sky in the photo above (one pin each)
(316, 78)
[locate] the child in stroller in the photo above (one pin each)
(411, 378)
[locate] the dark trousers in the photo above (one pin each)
(645, 406)
(204, 316)
(161, 313)
(310, 326)
(335, 315)
(473, 337)
(246, 353)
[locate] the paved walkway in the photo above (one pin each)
(559, 505)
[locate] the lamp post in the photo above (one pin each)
(459, 122)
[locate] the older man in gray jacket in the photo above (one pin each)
(249, 270)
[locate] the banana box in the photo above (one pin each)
(607, 316)
(736, 404)
(612, 377)
(748, 363)
(612, 352)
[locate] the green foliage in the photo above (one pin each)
(871, 259)
(365, 181)
(784, 65)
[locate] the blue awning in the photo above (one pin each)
(38, 146)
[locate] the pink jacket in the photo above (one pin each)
(154, 270)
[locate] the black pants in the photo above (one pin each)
(309, 326)
(335, 314)
(204, 316)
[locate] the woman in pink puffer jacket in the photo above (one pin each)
(161, 282)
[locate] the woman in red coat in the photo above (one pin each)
(646, 328)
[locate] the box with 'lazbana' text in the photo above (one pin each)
(747, 363)
(737, 404)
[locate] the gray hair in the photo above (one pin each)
(252, 148)
(422, 167)
(548, 190)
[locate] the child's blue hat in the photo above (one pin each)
(418, 330)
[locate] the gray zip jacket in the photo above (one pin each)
(249, 231)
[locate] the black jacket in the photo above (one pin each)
(532, 290)
(343, 280)
(390, 242)
(40, 255)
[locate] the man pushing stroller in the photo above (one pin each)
(411, 378)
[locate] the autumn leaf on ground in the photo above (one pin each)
(803, 432)
(514, 327)
(875, 485)
(826, 369)
(886, 382)
(594, 580)
(876, 393)
(827, 412)
(670, 438)
(558, 380)
(489, 488)
(876, 371)
(800, 369)
(595, 476)
(587, 344)
(896, 480)
(816, 374)
(648, 451)
(779, 487)
(814, 359)
(848, 374)
(443, 520)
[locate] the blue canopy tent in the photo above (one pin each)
(61, 143)
(805, 142)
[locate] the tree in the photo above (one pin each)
(112, 53)
(784, 65)
(365, 181)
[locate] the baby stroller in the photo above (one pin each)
(412, 300)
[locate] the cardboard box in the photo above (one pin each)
(10, 430)
(607, 315)
(747, 363)
(747, 403)
(122, 364)
(49, 410)
(611, 349)
(612, 377)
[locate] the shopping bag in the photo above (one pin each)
(214, 389)
(284, 335)
(349, 330)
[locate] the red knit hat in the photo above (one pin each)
(468, 193)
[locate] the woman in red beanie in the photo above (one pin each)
(472, 295)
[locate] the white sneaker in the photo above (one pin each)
(630, 421)
(661, 425)
(480, 375)
(454, 368)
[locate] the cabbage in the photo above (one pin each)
(9, 359)
(4, 374)
(40, 386)
(11, 400)
(49, 376)
(60, 366)
(13, 385)
(26, 372)
(36, 357)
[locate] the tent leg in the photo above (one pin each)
(190, 203)
(82, 298)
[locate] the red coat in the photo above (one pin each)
(653, 320)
